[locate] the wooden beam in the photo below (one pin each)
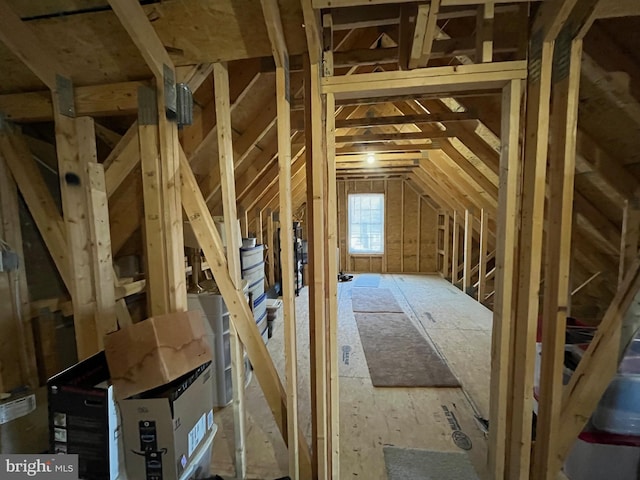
(455, 249)
(75, 145)
(272, 20)
(408, 15)
(446, 244)
(354, 3)
(351, 18)
(597, 366)
(405, 119)
(610, 169)
(629, 238)
(408, 158)
(607, 231)
(431, 80)
(467, 282)
(37, 196)
(506, 238)
(431, 31)
(72, 144)
(478, 197)
(482, 262)
(17, 352)
(278, 46)
(556, 295)
(107, 136)
(315, 131)
(227, 181)
(419, 35)
(100, 235)
(388, 137)
(312, 30)
(331, 275)
(365, 56)
(91, 100)
(529, 256)
(122, 160)
(484, 33)
(135, 21)
(408, 148)
(271, 249)
(259, 227)
(209, 239)
(154, 228)
(478, 177)
(378, 165)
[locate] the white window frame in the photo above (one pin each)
(369, 252)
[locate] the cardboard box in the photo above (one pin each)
(84, 418)
(155, 352)
(163, 429)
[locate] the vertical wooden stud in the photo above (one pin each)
(468, 251)
(17, 338)
(482, 263)
(484, 33)
(315, 130)
(227, 183)
(506, 240)
(259, 234)
(73, 181)
(271, 249)
(287, 249)
(629, 237)
(154, 226)
(101, 248)
(562, 159)
(332, 287)
(529, 256)
(446, 232)
(455, 248)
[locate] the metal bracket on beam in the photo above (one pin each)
(170, 96)
(66, 101)
(147, 106)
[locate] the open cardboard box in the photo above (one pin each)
(156, 351)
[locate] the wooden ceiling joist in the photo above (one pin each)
(443, 80)
(355, 3)
(390, 137)
(352, 18)
(365, 56)
(367, 148)
(97, 101)
(405, 119)
(425, 30)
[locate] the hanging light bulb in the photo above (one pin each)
(371, 158)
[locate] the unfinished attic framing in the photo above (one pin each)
(502, 136)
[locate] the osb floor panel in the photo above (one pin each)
(458, 327)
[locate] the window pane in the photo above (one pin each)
(366, 223)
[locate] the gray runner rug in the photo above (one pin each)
(374, 300)
(398, 355)
(411, 464)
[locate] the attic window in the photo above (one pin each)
(366, 223)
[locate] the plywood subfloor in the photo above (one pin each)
(458, 327)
